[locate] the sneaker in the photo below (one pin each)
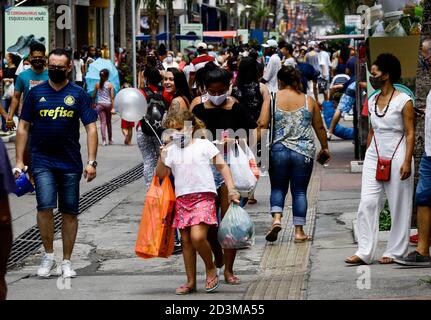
(415, 259)
(67, 270)
(104, 143)
(46, 266)
(178, 249)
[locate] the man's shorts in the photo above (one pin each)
(50, 183)
(423, 191)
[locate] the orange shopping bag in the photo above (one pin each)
(156, 236)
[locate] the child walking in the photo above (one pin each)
(104, 95)
(189, 160)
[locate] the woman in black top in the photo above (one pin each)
(221, 112)
(254, 96)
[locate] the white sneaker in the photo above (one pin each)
(46, 266)
(67, 270)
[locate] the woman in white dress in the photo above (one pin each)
(392, 135)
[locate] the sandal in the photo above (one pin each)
(252, 201)
(354, 260)
(271, 236)
(386, 260)
(299, 240)
(232, 280)
(185, 289)
(208, 282)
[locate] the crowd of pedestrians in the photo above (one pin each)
(275, 86)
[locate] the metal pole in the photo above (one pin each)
(72, 25)
(134, 43)
(111, 30)
(167, 25)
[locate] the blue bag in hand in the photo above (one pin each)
(236, 230)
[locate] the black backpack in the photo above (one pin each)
(155, 112)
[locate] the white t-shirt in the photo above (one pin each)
(324, 60)
(290, 62)
(191, 167)
(271, 70)
(428, 126)
(78, 71)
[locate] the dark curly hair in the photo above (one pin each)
(290, 77)
(389, 64)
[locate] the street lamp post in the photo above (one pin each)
(247, 15)
(270, 20)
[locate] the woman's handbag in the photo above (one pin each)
(384, 166)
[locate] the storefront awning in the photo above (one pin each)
(221, 34)
(163, 37)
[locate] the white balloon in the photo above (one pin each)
(131, 104)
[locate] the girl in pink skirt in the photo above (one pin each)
(189, 160)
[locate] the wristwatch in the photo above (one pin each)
(92, 163)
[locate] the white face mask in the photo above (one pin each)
(169, 59)
(27, 66)
(182, 139)
(217, 100)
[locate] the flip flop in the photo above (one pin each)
(357, 261)
(232, 280)
(389, 260)
(252, 201)
(271, 236)
(308, 238)
(215, 287)
(184, 289)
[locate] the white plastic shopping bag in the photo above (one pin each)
(242, 175)
(236, 230)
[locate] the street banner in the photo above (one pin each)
(257, 34)
(23, 25)
(243, 36)
(353, 21)
(191, 29)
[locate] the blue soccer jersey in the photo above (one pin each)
(54, 117)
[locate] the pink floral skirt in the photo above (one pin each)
(196, 208)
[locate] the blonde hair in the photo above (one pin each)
(174, 118)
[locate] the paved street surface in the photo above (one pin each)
(108, 268)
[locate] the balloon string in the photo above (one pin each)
(160, 141)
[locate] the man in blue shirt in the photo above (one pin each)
(7, 185)
(28, 79)
(51, 113)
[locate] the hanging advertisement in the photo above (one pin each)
(187, 29)
(243, 36)
(24, 25)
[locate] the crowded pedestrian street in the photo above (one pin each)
(213, 157)
(108, 268)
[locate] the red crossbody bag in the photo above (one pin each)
(383, 171)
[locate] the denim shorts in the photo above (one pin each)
(50, 183)
(423, 191)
